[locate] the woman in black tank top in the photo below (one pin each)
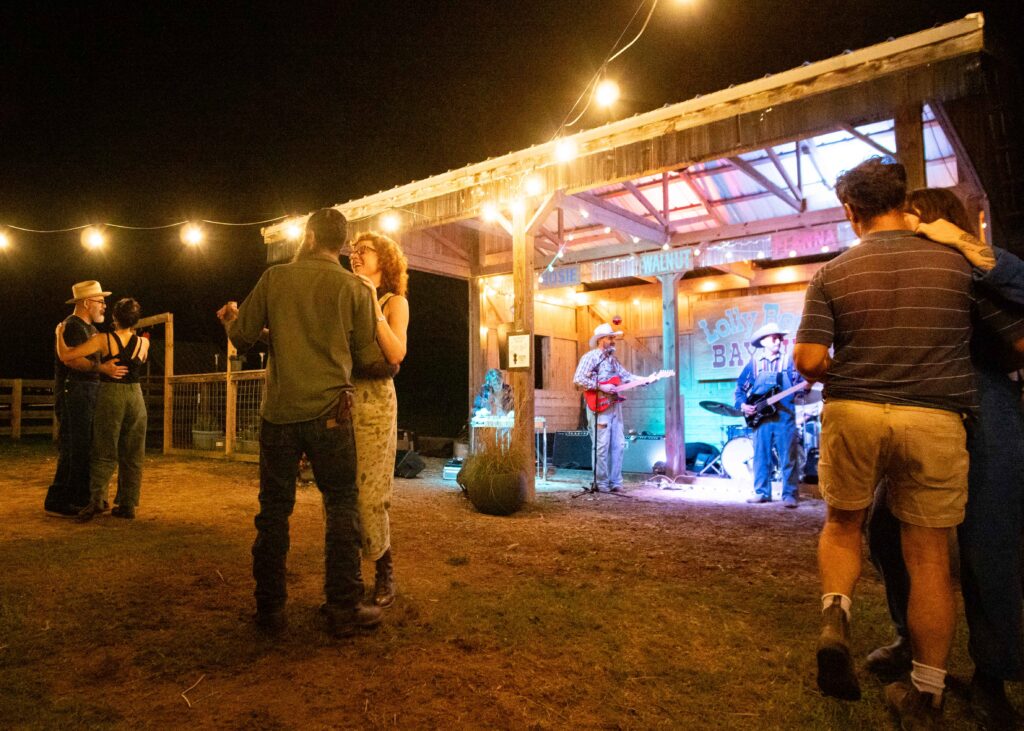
(119, 422)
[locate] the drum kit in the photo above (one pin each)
(736, 456)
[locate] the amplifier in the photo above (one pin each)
(642, 452)
(572, 450)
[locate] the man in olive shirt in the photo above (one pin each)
(321, 326)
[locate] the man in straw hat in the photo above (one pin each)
(74, 391)
(596, 367)
(766, 372)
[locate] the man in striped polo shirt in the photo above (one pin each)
(897, 311)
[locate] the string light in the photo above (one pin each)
(533, 185)
(293, 231)
(5, 240)
(489, 212)
(565, 150)
(606, 93)
(93, 238)
(390, 222)
(192, 234)
(665, 246)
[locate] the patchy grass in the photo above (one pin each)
(590, 613)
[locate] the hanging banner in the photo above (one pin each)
(722, 330)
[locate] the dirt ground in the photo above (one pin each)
(664, 609)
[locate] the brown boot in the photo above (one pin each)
(344, 622)
(384, 581)
(89, 512)
(914, 709)
(836, 676)
(890, 661)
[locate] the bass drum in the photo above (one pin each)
(738, 458)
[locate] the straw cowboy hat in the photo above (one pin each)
(769, 328)
(602, 331)
(85, 290)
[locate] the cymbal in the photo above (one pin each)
(721, 409)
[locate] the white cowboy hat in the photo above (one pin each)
(769, 328)
(85, 290)
(602, 331)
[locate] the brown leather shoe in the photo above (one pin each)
(914, 709)
(890, 661)
(836, 676)
(89, 512)
(344, 622)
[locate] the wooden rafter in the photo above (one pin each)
(619, 219)
(645, 202)
(699, 194)
(446, 243)
(774, 157)
(758, 177)
(850, 129)
(812, 151)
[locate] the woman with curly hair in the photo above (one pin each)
(119, 422)
(379, 262)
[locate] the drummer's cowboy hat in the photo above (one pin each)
(769, 328)
(85, 290)
(602, 331)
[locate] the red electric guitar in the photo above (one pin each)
(598, 401)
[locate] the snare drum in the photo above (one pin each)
(735, 431)
(738, 458)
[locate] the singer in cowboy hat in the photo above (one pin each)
(597, 366)
(75, 385)
(769, 370)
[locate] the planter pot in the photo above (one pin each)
(207, 440)
(247, 446)
(497, 493)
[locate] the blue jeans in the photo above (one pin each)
(332, 452)
(779, 432)
(75, 406)
(990, 568)
(611, 442)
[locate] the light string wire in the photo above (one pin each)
(140, 228)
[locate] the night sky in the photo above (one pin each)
(149, 113)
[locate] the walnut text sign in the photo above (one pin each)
(722, 330)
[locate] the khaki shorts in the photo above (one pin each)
(922, 452)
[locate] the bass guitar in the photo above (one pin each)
(598, 401)
(764, 404)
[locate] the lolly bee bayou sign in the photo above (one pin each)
(722, 330)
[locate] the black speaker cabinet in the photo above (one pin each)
(572, 450)
(642, 452)
(408, 464)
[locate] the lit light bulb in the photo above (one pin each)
(606, 93)
(92, 238)
(584, 213)
(192, 234)
(636, 301)
(390, 222)
(540, 278)
(665, 246)
(561, 253)
(484, 330)
(293, 231)
(5, 240)
(489, 212)
(565, 150)
(792, 253)
(534, 185)
(517, 206)
(696, 252)
(636, 239)
(607, 229)
(824, 249)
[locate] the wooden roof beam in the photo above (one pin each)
(774, 157)
(850, 129)
(705, 201)
(812, 151)
(759, 178)
(646, 202)
(619, 219)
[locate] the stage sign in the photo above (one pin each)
(563, 276)
(804, 242)
(722, 330)
(650, 264)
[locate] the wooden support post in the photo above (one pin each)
(910, 144)
(16, 408)
(230, 401)
(168, 372)
(522, 380)
(675, 436)
(477, 338)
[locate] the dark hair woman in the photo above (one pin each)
(119, 421)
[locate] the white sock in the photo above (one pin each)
(844, 601)
(928, 679)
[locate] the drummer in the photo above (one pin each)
(769, 371)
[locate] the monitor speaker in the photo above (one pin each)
(408, 464)
(642, 452)
(572, 450)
